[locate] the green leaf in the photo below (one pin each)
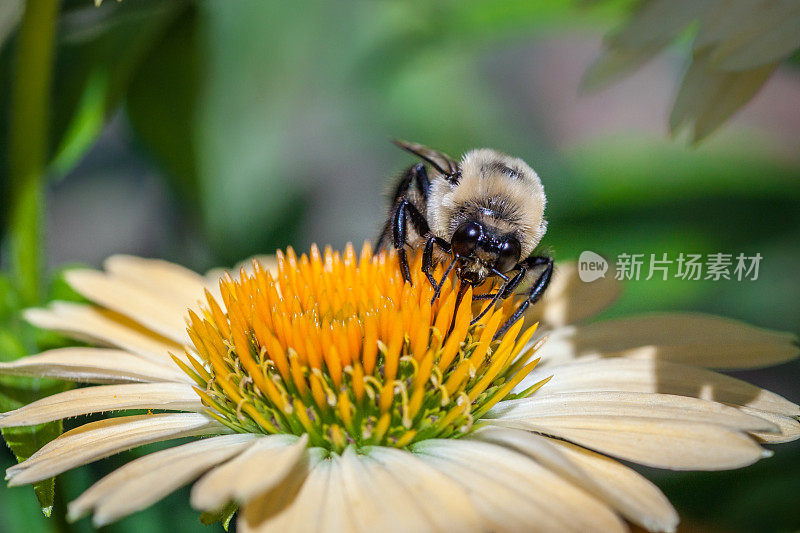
(161, 103)
(25, 441)
(708, 96)
(99, 51)
(17, 340)
(97, 54)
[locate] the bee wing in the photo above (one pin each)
(442, 162)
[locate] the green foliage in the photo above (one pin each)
(734, 51)
(99, 52)
(17, 340)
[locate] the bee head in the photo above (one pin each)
(482, 250)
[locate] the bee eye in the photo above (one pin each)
(466, 238)
(508, 256)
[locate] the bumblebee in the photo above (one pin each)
(482, 215)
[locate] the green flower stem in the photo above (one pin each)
(28, 144)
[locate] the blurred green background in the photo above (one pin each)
(206, 131)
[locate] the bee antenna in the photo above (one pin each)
(408, 147)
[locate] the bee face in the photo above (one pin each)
(481, 250)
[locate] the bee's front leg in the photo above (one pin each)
(427, 261)
(404, 211)
(536, 292)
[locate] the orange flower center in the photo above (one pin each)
(338, 346)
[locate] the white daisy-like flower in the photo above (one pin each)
(325, 394)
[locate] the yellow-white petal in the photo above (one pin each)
(159, 312)
(75, 402)
(633, 496)
(260, 469)
(690, 338)
(101, 326)
(446, 503)
(789, 427)
(569, 300)
(644, 375)
(376, 502)
(259, 513)
(93, 365)
(565, 408)
(660, 443)
(304, 512)
(147, 479)
(162, 277)
(97, 440)
(336, 510)
(513, 493)
(639, 499)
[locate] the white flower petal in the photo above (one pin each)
(96, 325)
(93, 365)
(639, 499)
(569, 300)
(376, 502)
(337, 512)
(97, 440)
(514, 493)
(75, 402)
(147, 479)
(628, 492)
(643, 375)
(259, 513)
(161, 313)
(690, 338)
(789, 427)
(660, 443)
(567, 407)
(161, 277)
(445, 502)
(261, 468)
(304, 512)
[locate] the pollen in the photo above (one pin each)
(339, 346)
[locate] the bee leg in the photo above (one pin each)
(441, 283)
(405, 211)
(537, 290)
(427, 259)
(417, 174)
(503, 292)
